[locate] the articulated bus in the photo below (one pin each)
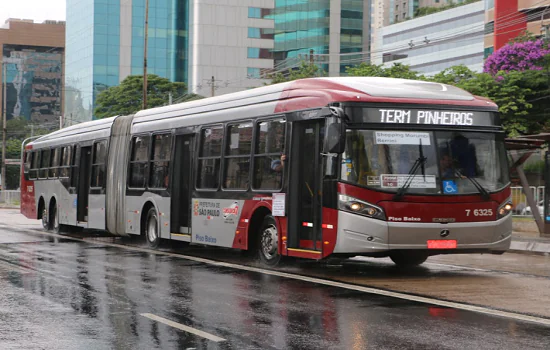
(314, 168)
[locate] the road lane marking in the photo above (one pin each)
(184, 327)
(368, 290)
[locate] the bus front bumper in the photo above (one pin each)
(365, 236)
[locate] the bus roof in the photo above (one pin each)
(322, 91)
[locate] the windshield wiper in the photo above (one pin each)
(484, 193)
(418, 163)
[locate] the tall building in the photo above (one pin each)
(337, 31)
(432, 43)
(214, 46)
(506, 19)
(32, 57)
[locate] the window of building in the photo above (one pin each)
(489, 27)
(210, 157)
(253, 73)
(35, 165)
(160, 164)
(257, 12)
(99, 158)
(269, 147)
(44, 163)
(255, 52)
(237, 156)
(54, 163)
(260, 33)
(139, 161)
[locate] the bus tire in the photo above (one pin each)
(408, 259)
(54, 219)
(151, 229)
(45, 221)
(268, 242)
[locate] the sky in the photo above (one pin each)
(38, 10)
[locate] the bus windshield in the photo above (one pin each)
(427, 162)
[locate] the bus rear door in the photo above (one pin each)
(180, 222)
(84, 169)
(305, 189)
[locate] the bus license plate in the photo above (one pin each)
(442, 244)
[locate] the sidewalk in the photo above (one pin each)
(522, 242)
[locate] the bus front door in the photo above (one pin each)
(305, 189)
(180, 222)
(83, 184)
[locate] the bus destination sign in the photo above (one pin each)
(428, 117)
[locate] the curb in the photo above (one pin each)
(530, 247)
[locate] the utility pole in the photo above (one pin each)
(213, 86)
(311, 56)
(4, 126)
(145, 55)
(169, 98)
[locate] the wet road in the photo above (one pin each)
(67, 294)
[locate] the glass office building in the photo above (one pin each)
(105, 44)
(304, 25)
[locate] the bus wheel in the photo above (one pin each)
(45, 221)
(152, 234)
(408, 259)
(269, 242)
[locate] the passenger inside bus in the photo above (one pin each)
(278, 164)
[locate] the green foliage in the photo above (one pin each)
(534, 167)
(525, 36)
(305, 70)
(127, 98)
(397, 70)
(424, 11)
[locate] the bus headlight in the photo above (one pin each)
(360, 207)
(505, 208)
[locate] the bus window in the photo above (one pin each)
(44, 164)
(98, 164)
(33, 173)
(54, 163)
(237, 156)
(268, 160)
(210, 158)
(160, 164)
(74, 167)
(28, 162)
(65, 162)
(138, 161)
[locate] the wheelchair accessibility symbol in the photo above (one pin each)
(449, 187)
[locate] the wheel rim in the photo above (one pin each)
(269, 242)
(152, 229)
(45, 218)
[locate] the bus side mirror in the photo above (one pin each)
(335, 135)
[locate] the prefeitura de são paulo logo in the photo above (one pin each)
(233, 209)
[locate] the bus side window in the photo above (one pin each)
(44, 164)
(160, 163)
(268, 161)
(28, 164)
(237, 156)
(74, 167)
(138, 161)
(65, 163)
(54, 163)
(210, 157)
(98, 164)
(35, 165)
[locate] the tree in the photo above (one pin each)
(517, 56)
(397, 70)
(127, 98)
(455, 75)
(305, 70)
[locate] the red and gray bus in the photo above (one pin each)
(314, 168)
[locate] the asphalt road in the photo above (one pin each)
(97, 294)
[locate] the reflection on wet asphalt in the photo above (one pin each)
(76, 295)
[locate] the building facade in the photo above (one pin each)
(432, 43)
(506, 19)
(338, 32)
(32, 58)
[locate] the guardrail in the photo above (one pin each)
(10, 197)
(521, 208)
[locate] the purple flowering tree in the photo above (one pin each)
(519, 56)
